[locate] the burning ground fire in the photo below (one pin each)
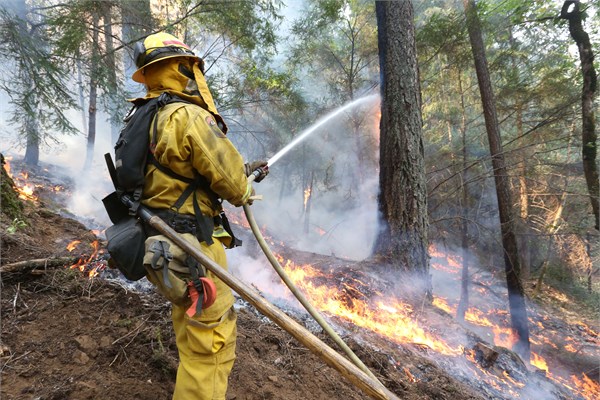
(496, 322)
(396, 320)
(353, 301)
(90, 265)
(25, 188)
(392, 319)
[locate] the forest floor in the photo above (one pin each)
(66, 336)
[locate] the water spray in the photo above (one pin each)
(318, 124)
(273, 260)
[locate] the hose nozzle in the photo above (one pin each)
(259, 173)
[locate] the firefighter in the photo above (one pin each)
(191, 142)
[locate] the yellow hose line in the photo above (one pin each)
(301, 298)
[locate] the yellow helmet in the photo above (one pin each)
(156, 47)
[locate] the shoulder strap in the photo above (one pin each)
(204, 224)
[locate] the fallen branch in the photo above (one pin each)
(23, 266)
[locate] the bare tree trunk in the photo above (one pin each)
(402, 241)
(81, 97)
(589, 139)
(463, 303)
(32, 149)
(91, 138)
(308, 194)
(516, 298)
(553, 226)
(111, 64)
(553, 229)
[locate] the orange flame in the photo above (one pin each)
(7, 160)
(538, 361)
(583, 386)
(586, 386)
(409, 374)
(307, 192)
(570, 348)
(86, 265)
(23, 188)
(26, 192)
(392, 318)
(71, 246)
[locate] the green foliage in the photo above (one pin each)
(15, 225)
(37, 87)
(537, 87)
(336, 42)
(11, 205)
(84, 49)
(246, 26)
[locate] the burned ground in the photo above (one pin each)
(65, 336)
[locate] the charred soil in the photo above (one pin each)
(66, 336)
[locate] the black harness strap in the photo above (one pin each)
(204, 225)
(197, 272)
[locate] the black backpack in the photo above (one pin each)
(133, 148)
(133, 152)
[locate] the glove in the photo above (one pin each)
(261, 166)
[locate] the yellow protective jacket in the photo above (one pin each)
(189, 140)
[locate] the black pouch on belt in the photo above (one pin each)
(126, 247)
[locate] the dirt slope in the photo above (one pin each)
(65, 336)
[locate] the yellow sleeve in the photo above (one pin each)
(214, 156)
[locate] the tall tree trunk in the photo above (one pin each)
(589, 139)
(32, 149)
(111, 65)
(402, 241)
(91, 138)
(463, 303)
(552, 226)
(30, 123)
(81, 93)
(525, 231)
(516, 298)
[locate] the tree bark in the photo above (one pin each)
(111, 66)
(463, 303)
(32, 149)
(589, 139)
(91, 138)
(402, 241)
(516, 299)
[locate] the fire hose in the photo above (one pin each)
(365, 381)
(356, 376)
(297, 293)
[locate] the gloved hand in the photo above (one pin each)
(261, 166)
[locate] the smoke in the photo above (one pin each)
(69, 153)
(90, 185)
(339, 215)
(257, 272)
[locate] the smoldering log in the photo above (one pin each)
(484, 354)
(30, 265)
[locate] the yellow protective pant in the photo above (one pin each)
(206, 355)
(206, 343)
